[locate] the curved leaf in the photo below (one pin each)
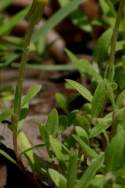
(81, 89)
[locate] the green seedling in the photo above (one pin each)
(85, 146)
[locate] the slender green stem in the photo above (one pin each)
(19, 87)
(33, 17)
(110, 67)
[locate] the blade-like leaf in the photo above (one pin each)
(31, 93)
(5, 114)
(56, 147)
(99, 99)
(13, 21)
(57, 178)
(110, 92)
(61, 101)
(120, 101)
(11, 57)
(7, 156)
(81, 89)
(90, 172)
(52, 124)
(97, 182)
(86, 148)
(24, 145)
(114, 156)
(84, 66)
(107, 7)
(72, 171)
(56, 18)
(49, 68)
(81, 133)
(44, 135)
(99, 128)
(101, 50)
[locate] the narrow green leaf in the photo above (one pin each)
(11, 57)
(110, 92)
(24, 144)
(72, 171)
(120, 101)
(56, 147)
(85, 147)
(97, 182)
(119, 112)
(111, 6)
(44, 135)
(57, 178)
(114, 155)
(107, 7)
(104, 6)
(105, 122)
(49, 68)
(61, 101)
(90, 172)
(5, 114)
(120, 45)
(81, 89)
(99, 128)
(24, 113)
(52, 124)
(56, 18)
(99, 99)
(13, 21)
(120, 177)
(33, 91)
(101, 50)
(7, 156)
(32, 148)
(81, 133)
(84, 66)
